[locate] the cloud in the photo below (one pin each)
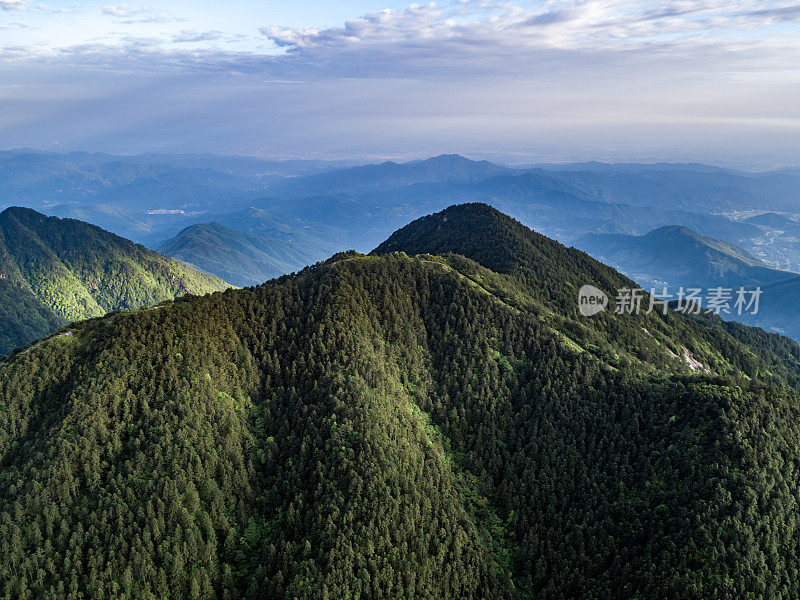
(389, 25)
(120, 10)
(153, 19)
(783, 14)
(188, 36)
(131, 16)
(688, 76)
(12, 4)
(603, 24)
(54, 9)
(15, 26)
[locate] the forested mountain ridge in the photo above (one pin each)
(54, 271)
(545, 277)
(429, 426)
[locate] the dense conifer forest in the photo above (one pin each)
(433, 420)
(55, 271)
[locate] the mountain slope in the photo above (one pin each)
(66, 270)
(24, 317)
(774, 221)
(290, 239)
(252, 246)
(546, 277)
(231, 255)
(402, 427)
(677, 256)
(777, 309)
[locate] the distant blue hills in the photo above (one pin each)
(246, 219)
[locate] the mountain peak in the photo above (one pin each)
(446, 159)
(472, 229)
(20, 212)
(675, 235)
(551, 272)
(674, 231)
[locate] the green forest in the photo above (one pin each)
(432, 420)
(56, 271)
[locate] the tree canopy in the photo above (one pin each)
(435, 420)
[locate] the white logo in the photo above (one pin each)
(591, 300)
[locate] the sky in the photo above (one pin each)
(516, 81)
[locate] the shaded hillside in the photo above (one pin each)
(24, 317)
(234, 256)
(778, 309)
(252, 246)
(67, 270)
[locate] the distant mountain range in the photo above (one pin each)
(447, 168)
(299, 212)
(55, 271)
(677, 256)
(161, 195)
(546, 200)
(562, 203)
(42, 180)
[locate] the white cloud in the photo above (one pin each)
(190, 36)
(471, 74)
(588, 24)
(120, 10)
(12, 4)
(54, 9)
(126, 15)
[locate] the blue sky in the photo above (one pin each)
(233, 24)
(548, 80)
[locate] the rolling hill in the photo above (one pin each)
(433, 420)
(677, 256)
(777, 310)
(256, 245)
(54, 271)
(775, 221)
(237, 257)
